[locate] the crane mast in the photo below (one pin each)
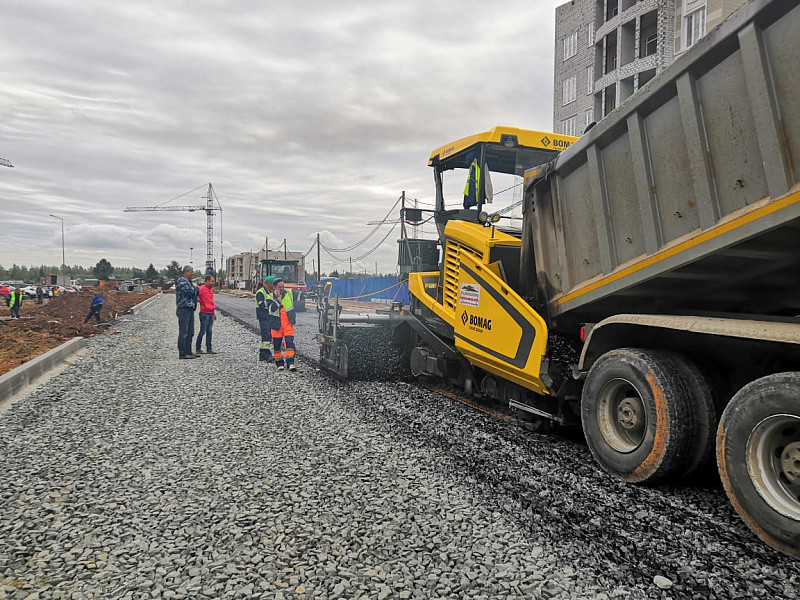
(209, 209)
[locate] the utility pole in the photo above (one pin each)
(314, 265)
(376, 268)
(285, 250)
(63, 256)
(351, 265)
(319, 260)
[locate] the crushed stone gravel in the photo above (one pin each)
(137, 475)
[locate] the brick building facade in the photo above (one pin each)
(608, 49)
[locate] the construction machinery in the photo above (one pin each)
(293, 275)
(652, 296)
(210, 208)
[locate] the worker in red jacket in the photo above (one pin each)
(208, 314)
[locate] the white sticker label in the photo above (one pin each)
(470, 295)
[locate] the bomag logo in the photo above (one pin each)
(561, 144)
(546, 142)
(476, 322)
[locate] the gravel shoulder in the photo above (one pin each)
(136, 475)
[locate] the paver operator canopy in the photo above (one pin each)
(506, 150)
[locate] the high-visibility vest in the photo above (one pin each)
(16, 299)
(288, 300)
(268, 302)
(473, 185)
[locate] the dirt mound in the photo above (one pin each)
(43, 327)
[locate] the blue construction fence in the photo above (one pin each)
(369, 289)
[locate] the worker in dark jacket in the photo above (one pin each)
(185, 305)
(94, 309)
(267, 313)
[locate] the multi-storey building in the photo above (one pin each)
(608, 49)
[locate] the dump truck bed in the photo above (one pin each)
(683, 199)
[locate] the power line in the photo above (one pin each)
(369, 235)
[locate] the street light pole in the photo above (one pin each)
(63, 256)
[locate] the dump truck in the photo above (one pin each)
(652, 295)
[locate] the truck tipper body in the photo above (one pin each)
(684, 199)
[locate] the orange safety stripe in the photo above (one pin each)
(278, 355)
(289, 353)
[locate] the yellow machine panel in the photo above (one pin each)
(495, 329)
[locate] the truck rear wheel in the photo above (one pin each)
(635, 414)
(758, 455)
(700, 453)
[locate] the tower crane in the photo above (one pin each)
(209, 209)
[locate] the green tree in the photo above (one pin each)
(103, 269)
(137, 273)
(174, 270)
(151, 274)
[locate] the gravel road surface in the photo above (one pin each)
(137, 475)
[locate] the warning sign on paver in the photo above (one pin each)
(470, 295)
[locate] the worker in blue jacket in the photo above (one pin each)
(94, 309)
(185, 305)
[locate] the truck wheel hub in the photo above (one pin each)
(790, 462)
(628, 414)
(621, 415)
(773, 463)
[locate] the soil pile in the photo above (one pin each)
(43, 327)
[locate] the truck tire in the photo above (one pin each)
(702, 439)
(635, 414)
(758, 456)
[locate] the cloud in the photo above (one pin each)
(305, 116)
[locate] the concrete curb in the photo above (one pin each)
(27, 373)
(144, 304)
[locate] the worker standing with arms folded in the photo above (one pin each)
(268, 315)
(285, 335)
(15, 302)
(185, 304)
(207, 315)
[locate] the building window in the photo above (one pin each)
(570, 45)
(568, 126)
(590, 41)
(589, 80)
(648, 34)
(569, 90)
(612, 9)
(589, 117)
(694, 27)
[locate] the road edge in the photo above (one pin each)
(29, 372)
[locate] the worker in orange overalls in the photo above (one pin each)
(283, 338)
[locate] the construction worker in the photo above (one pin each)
(94, 309)
(472, 190)
(185, 305)
(208, 315)
(268, 315)
(285, 335)
(15, 302)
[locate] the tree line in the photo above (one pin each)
(102, 270)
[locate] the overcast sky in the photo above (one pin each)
(305, 116)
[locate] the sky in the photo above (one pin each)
(309, 116)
